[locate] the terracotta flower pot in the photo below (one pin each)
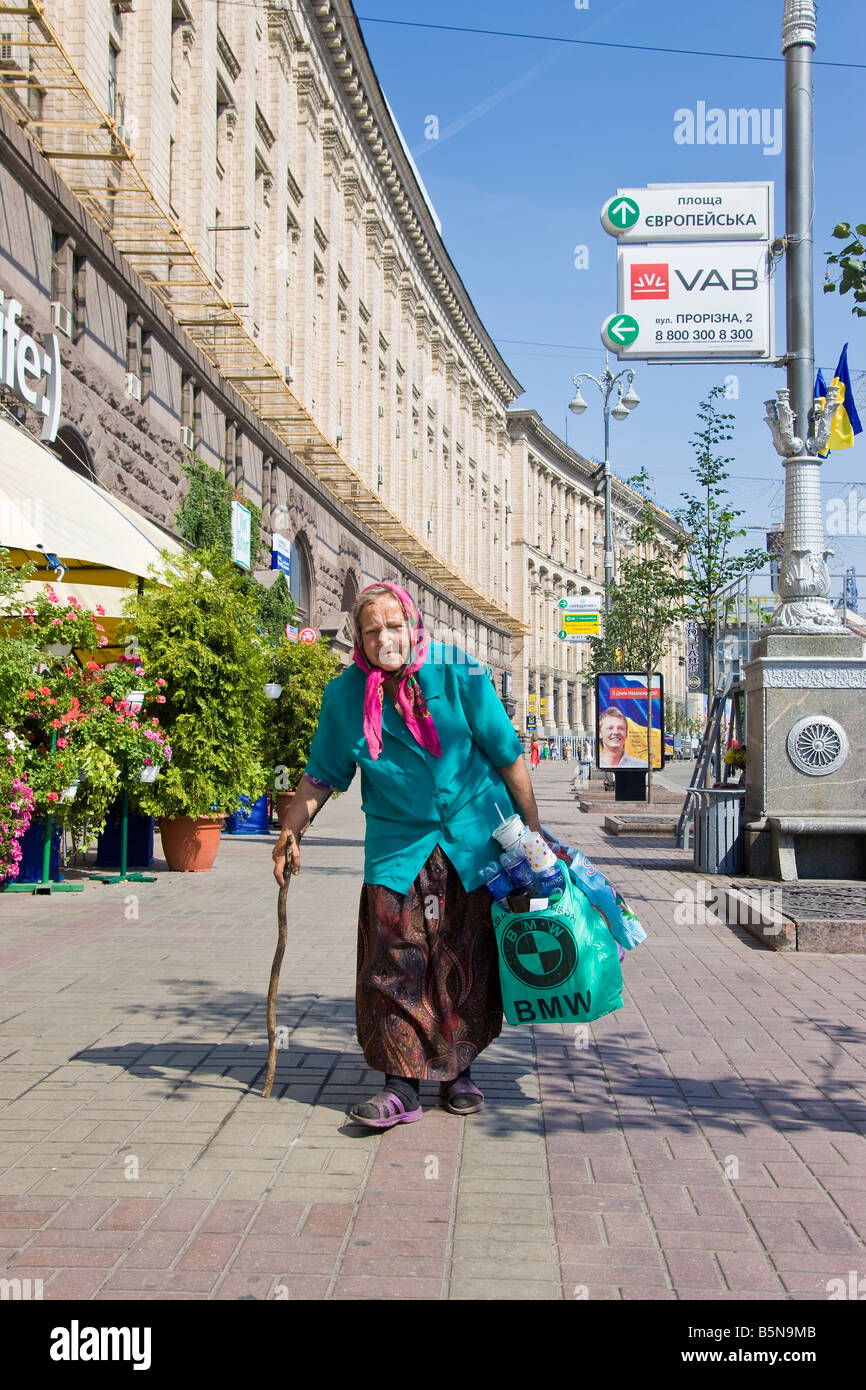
(190, 846)
(283, 802)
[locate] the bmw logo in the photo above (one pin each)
(539, 951)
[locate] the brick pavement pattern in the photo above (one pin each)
(707, 1141)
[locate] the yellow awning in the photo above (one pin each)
(103, 542)
(46, 508)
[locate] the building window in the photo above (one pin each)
(79, 280)
(134, 355)
(113, 54)
(62, 250)
(189, 422)
(300, 583)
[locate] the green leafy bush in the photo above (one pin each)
(303, 670)
(200, 633)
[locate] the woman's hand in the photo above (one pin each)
(278, 854)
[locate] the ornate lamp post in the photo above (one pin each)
(626, 402)
(804, 581)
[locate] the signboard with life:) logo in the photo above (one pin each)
(698, 287)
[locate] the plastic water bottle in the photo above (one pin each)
(550, 883)
(518, 867)
(497, 880)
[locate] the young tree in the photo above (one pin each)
(850, 258)
(710, 524)
(648, 598)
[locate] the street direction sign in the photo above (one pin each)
(697, 303)
(572, 637)
(577, 603)
(582, 624)
(691, 212)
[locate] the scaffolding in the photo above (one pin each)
(90, 150)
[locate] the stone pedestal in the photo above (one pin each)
(805, 806)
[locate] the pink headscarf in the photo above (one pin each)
(410, 697)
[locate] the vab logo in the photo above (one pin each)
(539, 952)
(649, 281)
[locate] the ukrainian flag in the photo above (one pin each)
(846, 421)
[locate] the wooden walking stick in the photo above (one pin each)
(273, 984)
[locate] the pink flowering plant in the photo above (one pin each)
(16, 804)
(55, 619)
(130, 730)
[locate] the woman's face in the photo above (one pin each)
(384, 634)
(613, 732)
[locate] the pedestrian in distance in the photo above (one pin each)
(545, 752)
(534, 754)
(566, 752)
(554, 752)
(439, 760)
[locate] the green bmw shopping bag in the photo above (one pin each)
(557, 963)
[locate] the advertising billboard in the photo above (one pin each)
(621, 721)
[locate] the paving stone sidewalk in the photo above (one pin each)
(705, 1142)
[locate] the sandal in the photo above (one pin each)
(461, 1096)
(385, 1109)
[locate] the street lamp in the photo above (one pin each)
(626, 402)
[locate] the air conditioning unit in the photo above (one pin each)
(133, 386)
(429, 527)
(124, 133)
(414, 453)
(381, 411)
(397, 431)
(380, 478)
(61, 318)
(187, 437)
(288, 373)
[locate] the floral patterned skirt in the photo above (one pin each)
(428, 997)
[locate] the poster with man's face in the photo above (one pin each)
(621, 721)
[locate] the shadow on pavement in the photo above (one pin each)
(628, 1067)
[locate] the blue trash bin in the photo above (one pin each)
(139, 841)
(252, 819)
(32, 844)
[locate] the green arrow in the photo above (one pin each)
(624, 212)
(624, 328)
(563, 634)
(618, 330)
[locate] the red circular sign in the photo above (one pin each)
(308, 634)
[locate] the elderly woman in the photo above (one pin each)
(439, 759)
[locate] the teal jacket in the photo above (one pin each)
(412, 799)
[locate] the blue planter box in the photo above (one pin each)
(32, 845)
(251, 820)
(139, 841)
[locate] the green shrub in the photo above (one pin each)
(200, 633)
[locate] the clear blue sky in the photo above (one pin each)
(535, 136)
